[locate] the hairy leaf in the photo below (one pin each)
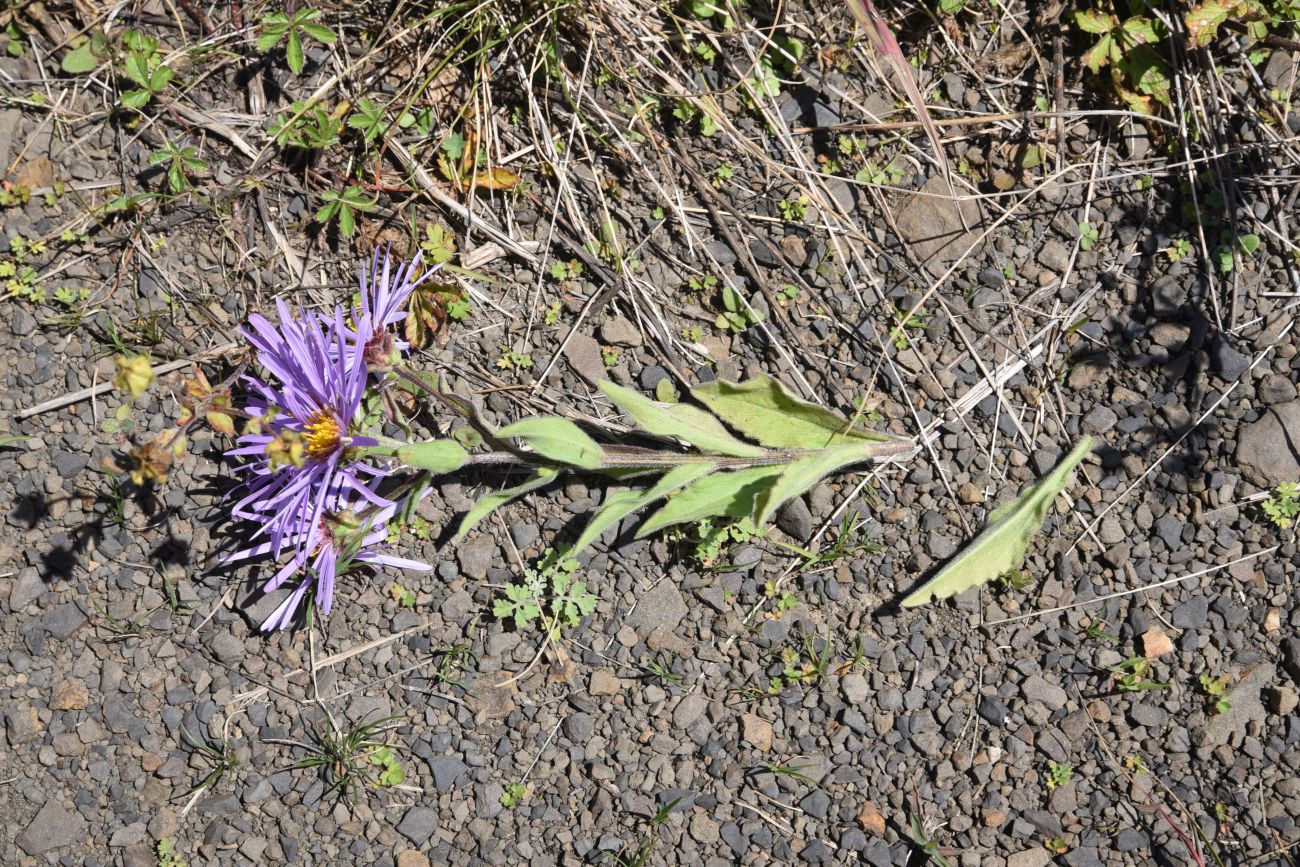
(488, 502)
(799, 476)
(557, 439)
(440, 456)
(1003, 544)
(722, 495)
(620, 504)
(685, 422)
(764, 410)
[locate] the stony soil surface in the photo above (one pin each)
(950, 715)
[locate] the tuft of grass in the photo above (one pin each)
(353, 759)
(222, 758)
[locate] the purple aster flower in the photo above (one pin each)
(299, 468)
(304, 489)
(325, 550)
(384, 293)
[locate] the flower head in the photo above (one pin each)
(325, 549)
(299, 468)
(384, 293)
(304, 488)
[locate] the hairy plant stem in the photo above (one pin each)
(616, 457)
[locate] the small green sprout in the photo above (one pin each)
(166, 851)
(1215, 688)
(548, 592)
(611, 355)
(1058, 774)
(793, 210)
(1130, 675)
(181, 162)
(344, 207)
(280, 27)
(1179, 250)
(736, 315)
(145, 68)
(1284, 505)
(513, 795)
(1088, 235)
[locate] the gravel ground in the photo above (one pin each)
(132, 654)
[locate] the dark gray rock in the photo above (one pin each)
(418, 825)
(578, 728)
(931, 224)
(1191, 614)
(447, 771)
(661, 605)
(816, 804)
(1170, 530)
(1227, 362)
(1268, 449)
(53, 827)
(992, 709)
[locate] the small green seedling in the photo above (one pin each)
(1284, 505)
(144, 67)
(793, 210)
(344, 207)
(916, 321)
(926, 844)
(511, 360)
(404, 598)
(1179, 250)
(306, 126)
(1215, 688)
(1088, 235)
(548, 592)
(290, 28)
(167, 856)
(1226, 251)
(1058, 774)
(439, 245)
(1097, 630)
(513, 795)
(181, 162)
(1131, 675)
(662, 668)
(611, 355)
(736, 315)
(353, 759)
(566, 270)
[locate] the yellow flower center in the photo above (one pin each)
(324, 436)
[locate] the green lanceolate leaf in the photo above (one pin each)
(722, 495)
(802, 474)
(1003, 544)
(764, 410)
(556, 439)
(440, 456)
(679, 420)
(620, 504)
(491, 501)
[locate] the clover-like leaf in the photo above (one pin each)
(1003, 544)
